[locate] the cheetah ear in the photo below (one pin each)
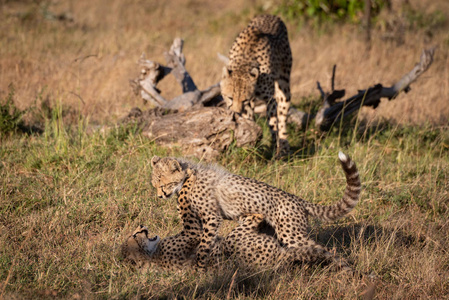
(175, 166)
(254, 73)
(154, 160)
(226, 73)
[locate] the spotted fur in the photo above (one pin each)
(174, 252)
(259, 68)
(217, 194)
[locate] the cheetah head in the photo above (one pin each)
(149, 245)
(168, 176)
(238, 87)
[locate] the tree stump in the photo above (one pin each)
(201, 132)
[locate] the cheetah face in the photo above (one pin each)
(140, 235)
(167, 177)
(237, 88)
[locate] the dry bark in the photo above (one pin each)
(332, 111)
(201, 132)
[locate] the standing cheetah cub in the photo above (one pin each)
(217, 194)
(260, 63)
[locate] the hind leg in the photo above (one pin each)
(314, 252)
(292, 234)
(273, 122)
(303, 249)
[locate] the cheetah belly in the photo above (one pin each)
(237, 200)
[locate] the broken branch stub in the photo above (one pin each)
(152, 72)
(176, 60)
(404, 83)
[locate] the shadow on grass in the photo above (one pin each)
(230, 282)
(344, 237)
(225, 283)
(306, 142)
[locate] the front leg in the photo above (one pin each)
(282, 96)
(273, 121)
(211, 224)
(248, 112)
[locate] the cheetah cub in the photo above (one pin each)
(217, 194)
(253, 250)
(174, 252)
(244, 247)
(260, 62)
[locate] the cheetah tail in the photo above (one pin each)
(349, 199)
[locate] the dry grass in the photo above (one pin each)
(87, 63)
(67, 198)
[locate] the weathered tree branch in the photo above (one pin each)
(404, 83)
(332, 111)
(152, 72)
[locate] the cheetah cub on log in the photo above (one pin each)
(260, 62)
(217, 194)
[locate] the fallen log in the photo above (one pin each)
(201, 132)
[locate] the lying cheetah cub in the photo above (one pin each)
(244, 246)
(218, 194)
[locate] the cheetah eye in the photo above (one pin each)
(168, 185)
